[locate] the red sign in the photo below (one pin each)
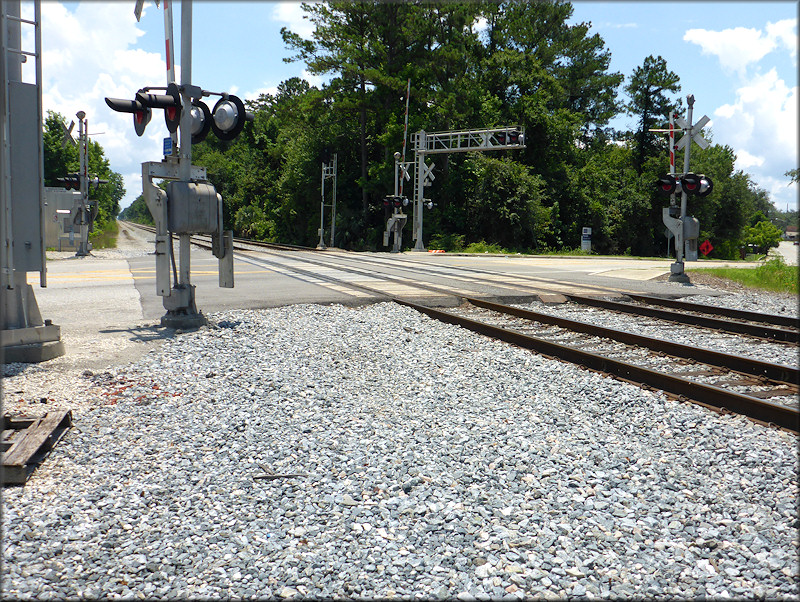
(706, 247)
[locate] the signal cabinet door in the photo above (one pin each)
(26, 177)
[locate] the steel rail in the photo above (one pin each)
(740, 314)
(758, 409)
(707, 395)
(756, 330)
(776, 372)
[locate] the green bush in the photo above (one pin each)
(452, 243)
(484, 247)
(105, 237)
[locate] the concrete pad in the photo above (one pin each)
(634, 274)
(552, 299)
(95, 303)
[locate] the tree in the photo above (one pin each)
(762, 236)
(61, 159)
(648, 101)
(137, 212)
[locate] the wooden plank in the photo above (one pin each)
(37, 439)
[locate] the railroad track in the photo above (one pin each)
(764, 391)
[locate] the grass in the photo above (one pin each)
(773, 275)
(105, 238)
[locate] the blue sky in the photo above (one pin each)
(739, 60)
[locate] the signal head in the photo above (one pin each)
(201, 121)
(666, 184)
(229, 117)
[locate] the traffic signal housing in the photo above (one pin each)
(141, 113)
(229, 116)
(226, 120)
(70, 181)
(697, 184)
(395, 201)
(513, 137)
(667, 185)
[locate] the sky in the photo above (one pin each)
(738, 59)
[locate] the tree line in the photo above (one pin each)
(471, 65)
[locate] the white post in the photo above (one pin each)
(684, 197)
(83, 181)
(185, 169)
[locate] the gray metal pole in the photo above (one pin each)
(185, 165)
(687, 151)
(83, 181)
(170, 44)
(185, 168)
(321, 244)
(419, 192)
(333, 201)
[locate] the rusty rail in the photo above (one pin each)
(756, 330)
(758, 409)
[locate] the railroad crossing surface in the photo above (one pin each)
(107, 301)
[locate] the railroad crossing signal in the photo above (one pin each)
(500, 138)
(427, 174)
(697, 184)
(692, 133)
(685, 227)
(70, 182)
(226, 120)
(666, 184)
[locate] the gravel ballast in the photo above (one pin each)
(431, 462)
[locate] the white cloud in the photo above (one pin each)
(761, 123)
(88, 54)
(271, 90)
(745, 160)
(314, 80)
(741, 47)
(761, 126)
(295, 18)
(785, 32)
(735, 48)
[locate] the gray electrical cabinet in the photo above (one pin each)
(26, 178)
(193, 208)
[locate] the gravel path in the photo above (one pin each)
(432, 463)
